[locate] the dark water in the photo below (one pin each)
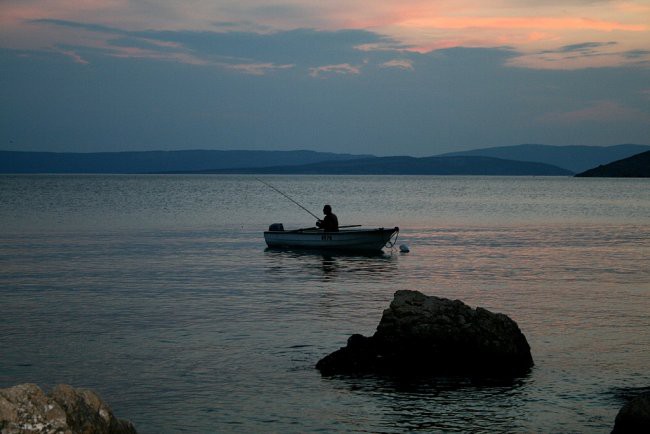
(158, 292)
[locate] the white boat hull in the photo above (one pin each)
(350, 239)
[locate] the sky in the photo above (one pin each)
(408, 77)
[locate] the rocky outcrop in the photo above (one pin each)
(431, 335)
(634, 417)
(26, 409)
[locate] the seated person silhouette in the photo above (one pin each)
(330, 222)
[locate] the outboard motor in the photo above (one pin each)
(276, 227)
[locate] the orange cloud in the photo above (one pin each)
(527, 27)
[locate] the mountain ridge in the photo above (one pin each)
(576, 158)
(155, 161)
(406, 165)
(636, 166)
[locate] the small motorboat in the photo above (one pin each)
(346, 239)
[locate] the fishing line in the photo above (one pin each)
(270, 186)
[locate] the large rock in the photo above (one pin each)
(634, 417)
(26, 409)
(421, 334)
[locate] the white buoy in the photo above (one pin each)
(404, 248)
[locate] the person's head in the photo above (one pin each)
(327, 210)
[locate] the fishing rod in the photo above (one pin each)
(316, 228)
(270, 186)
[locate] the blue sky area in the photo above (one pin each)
(83, 81)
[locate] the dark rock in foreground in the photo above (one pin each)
(634, 417)
(27, 409)
(421, 334)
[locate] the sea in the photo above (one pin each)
(158, 293)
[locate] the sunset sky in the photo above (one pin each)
(383, 77)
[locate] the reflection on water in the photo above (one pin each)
(625, 394)
(329, 264)
(423, 385)
(157, 292)
(456, 404)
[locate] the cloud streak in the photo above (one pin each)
(600, 112)
(321, 53)
(257, 68)
(414, 25)
(398, 63)
(328, 70)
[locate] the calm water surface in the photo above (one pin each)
(158, 292)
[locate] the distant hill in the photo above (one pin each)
(540, 160)
(573, 158)
(156, 161)
(412, 166)
(637, 166)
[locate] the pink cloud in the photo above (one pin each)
(76, 58)
(343, 68)
(602, 111)
(256, 68)
(398, 63)
(544, 23)
(422, 25)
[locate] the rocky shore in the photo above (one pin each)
(26, 409)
